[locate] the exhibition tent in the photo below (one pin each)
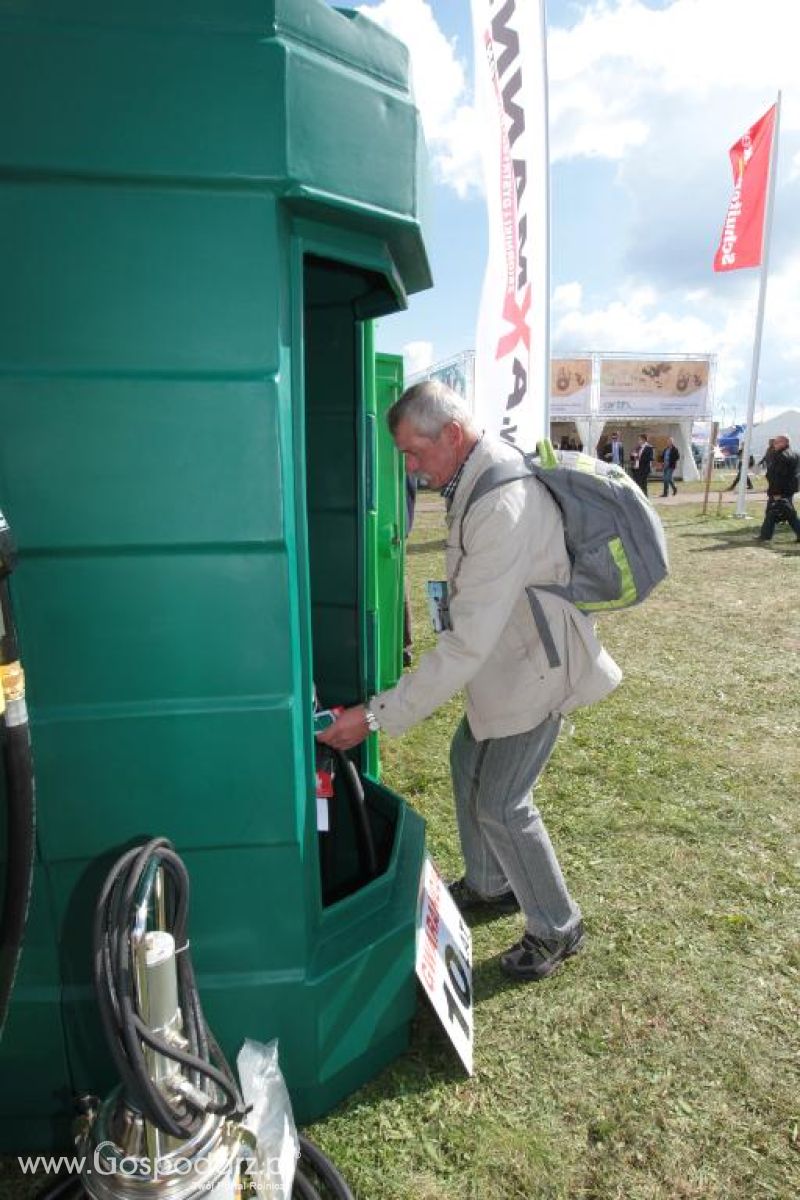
(787, 422)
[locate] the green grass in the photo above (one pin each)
(662, 1064)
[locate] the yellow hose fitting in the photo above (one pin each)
(12, 682)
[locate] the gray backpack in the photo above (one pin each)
(613, 535)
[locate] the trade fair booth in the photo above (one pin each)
(599, 394)
(595, 395)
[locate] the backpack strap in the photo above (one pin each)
(493, 477)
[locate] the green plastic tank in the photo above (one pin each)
(203, 208)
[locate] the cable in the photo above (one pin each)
(302, 1189)
(124, 897)
(126, 889)
(358, 807)
(324, 1169)
(348, 773)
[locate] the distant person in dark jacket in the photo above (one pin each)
(783, 480)
(614, 451)
(642, 461)
(669, 459)
(750, 464)
(768, 454)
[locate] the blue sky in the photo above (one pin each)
(646, 97)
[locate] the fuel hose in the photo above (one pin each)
(19, 786)
(358, 808)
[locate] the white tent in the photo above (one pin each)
(788, 422)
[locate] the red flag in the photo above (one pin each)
(742, 241)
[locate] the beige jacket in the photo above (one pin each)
(513, 537)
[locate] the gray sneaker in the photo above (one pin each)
(468, 899)
(534, 958)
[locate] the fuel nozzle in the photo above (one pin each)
(8, 551)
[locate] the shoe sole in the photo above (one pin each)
(500, 908)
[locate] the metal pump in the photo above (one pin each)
(173, 1128)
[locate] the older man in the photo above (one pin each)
(783, 480)
(511, 539)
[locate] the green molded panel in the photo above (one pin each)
(385, 507)
(201, 208)
(371, 496)
(391, 524)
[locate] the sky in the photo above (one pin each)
(646, 98)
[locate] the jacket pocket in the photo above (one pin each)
(596, 575)
(546, 626)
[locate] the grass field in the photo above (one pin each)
(662, 1064)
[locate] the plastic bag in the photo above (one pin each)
(270, 1120)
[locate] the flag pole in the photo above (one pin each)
(741, 505)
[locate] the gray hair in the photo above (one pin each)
(429, 406)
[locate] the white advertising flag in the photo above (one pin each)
(512, 337)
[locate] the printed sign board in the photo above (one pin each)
(649, 388)
(570, 387)
(444, 960)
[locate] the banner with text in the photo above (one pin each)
(742, 241)
(511, 341)
(649, 388)
(570, 387)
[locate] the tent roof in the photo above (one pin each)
(786, 422)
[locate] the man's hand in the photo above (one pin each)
(349, 729)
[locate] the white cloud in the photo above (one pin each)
(417, 357)
(782, 314)
(611, 72)
(640, 319)
(635, 321)
(663, 93)
(440, 89)
(567, 296)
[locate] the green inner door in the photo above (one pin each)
(391, 524)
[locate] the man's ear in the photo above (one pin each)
(454, 433)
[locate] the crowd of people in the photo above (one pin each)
(641, 460)
(780, 463)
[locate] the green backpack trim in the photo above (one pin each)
(628, 591)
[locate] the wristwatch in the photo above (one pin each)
(373, 724)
